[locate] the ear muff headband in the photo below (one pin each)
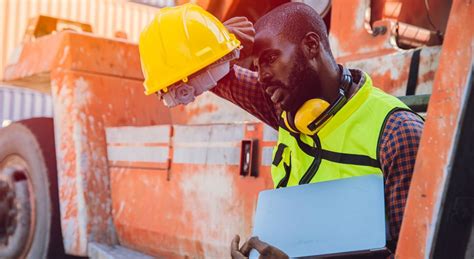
(314, 113)
(327, 114)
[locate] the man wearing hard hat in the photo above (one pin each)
(332, 122)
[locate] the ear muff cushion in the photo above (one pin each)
(306, 114)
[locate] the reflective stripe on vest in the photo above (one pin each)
(346, 146)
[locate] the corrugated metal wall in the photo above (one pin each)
(20, 103)
(105, 16)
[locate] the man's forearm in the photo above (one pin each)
(241, 88)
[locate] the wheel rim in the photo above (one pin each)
(17, 195)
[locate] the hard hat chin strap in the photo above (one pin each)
(184, 93)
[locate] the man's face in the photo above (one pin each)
(284, 72)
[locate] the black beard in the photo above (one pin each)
(303, 80)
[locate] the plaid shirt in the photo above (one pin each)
(398, 146)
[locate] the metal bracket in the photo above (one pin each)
(418, 103)
(248, 158)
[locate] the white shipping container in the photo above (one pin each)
(18, 103)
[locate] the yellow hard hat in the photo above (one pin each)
(179, 42)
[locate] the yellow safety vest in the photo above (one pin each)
(346, 146)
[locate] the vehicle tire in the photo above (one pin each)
(28, 174)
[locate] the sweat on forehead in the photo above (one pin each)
(292, 21)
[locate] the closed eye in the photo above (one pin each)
(268, 57)
(272, 58)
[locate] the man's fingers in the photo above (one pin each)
(244, 38)
(235, 243)
(234, 248)
(248, 31)
(259, 245)
(265, 250)
(236, 19)
(243, 24)
(245, 249)
(254, 243)
(244, 31)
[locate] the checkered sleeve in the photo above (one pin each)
(398, 149)
(241, 87)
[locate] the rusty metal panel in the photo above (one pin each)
(207, 144)
(81, 152)
(197, 208)
(144, 147)
(105, 16)
(435, 153)
(85, 102)
(390, 72)
(36, 60)
(355, 44)
(351, 35)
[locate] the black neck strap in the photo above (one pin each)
(345, 84)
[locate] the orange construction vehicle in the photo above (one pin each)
(114, 173)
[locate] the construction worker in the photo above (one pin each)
(332, 122)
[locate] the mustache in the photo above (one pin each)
(276, 83)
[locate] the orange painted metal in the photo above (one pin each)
(180, 201)
(209, 216)
(105, 16)
(353, 44)
(220, 9)
(225, 9)
(390, 72)
(192, 209)
(434, 155)
(431, 15)
(198, 207)
(351, 35)
(45, 25)
(418, 23)
(95, 83)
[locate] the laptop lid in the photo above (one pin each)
(327, 218)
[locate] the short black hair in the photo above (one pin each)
(293, 21)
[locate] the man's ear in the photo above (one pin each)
(311, 44)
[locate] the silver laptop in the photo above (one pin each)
(329, 218)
